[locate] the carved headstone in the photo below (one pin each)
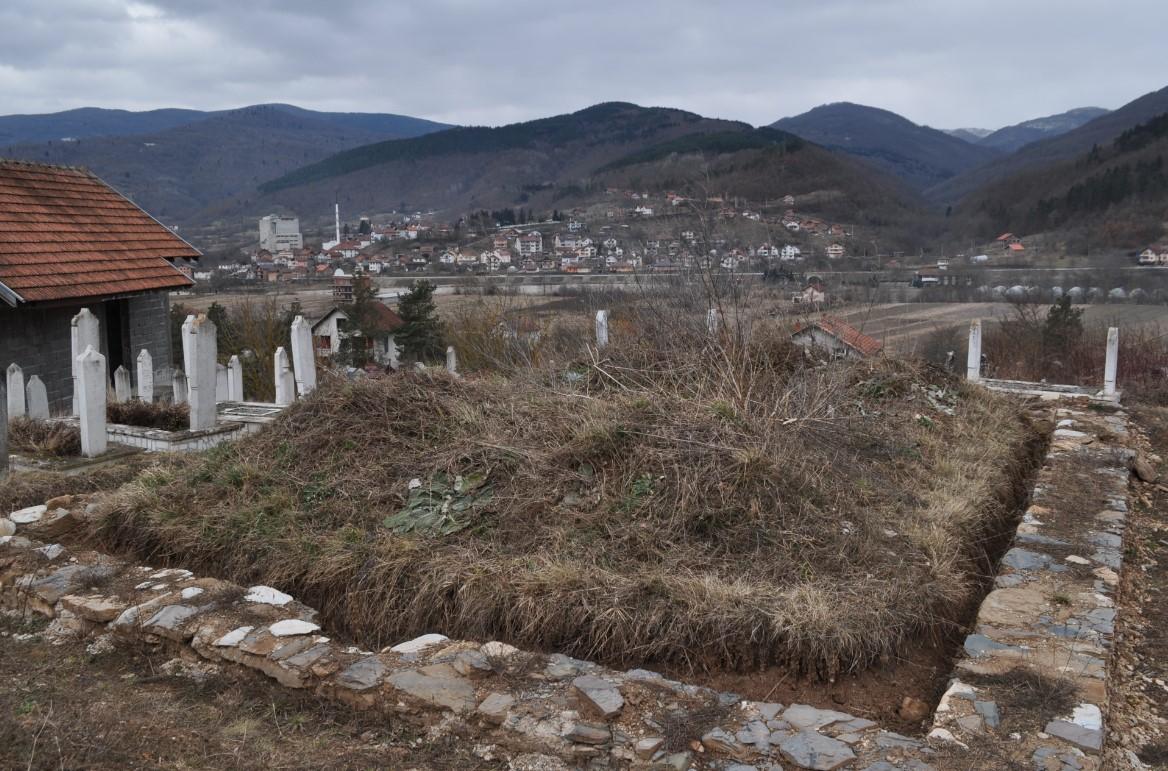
(83, 333)
(145, 376)
(123, 392)
(200, 350)
(15, 400)
(91, 381)
(234, 379)
(178, 384)
(285, 380)
(601, 329)
(37, 397)
(303, 357)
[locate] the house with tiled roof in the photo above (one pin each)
(70, 241)
(836, 337)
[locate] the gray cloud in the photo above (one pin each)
(942, 62)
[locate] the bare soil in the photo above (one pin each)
(60, 707)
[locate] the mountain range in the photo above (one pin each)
(859, 164)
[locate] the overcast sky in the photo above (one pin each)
(941, 62)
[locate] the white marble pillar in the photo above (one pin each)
(145, 376)
(91, 383)
(303, 357)
(451, 360)
(285, 380)
(973, 358)
(123, 391)
(1111, 365)
(15, 384)
(178, 385)
(200, 350)
(83, 333)
(37, 397)
(601, 329)
(234, 379)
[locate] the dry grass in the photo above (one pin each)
(30, 488)
(44, 439)
(161, 415)
(702, 502)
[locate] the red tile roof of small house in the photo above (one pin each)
(65, 234)
(1017, 248)
(845, 333)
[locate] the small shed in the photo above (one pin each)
(68, 241)
(836, 337)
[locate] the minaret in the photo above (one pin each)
(338, 221)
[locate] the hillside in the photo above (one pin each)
(1045, 152)
(919, 155)
(570, 160)
(90, 122)
(971, 135)
(480, 167)
(1015, 137)
(1117, 193)
(177, 172)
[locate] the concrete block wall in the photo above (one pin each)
(37, 338)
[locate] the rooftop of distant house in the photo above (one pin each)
(845, 333)
(65, 234)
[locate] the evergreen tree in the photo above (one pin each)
(1063, 327)
(364, 323)
(420, 336)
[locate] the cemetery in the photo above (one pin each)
(672, 550)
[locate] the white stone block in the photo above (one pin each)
(234, 379)
(37, 397)
(123, 392)
(601, 329)
(83, 333)
(16, 395)
(303, 356)
(145, 376)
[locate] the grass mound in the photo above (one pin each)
(729, 511)
(161, 415)
(44, 439)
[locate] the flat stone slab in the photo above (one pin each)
(599, 695)
(455, 694)
(266, 595)
(292, 626)
(95, 608)
(29, 515)
(808, 749)
(362, 674)
(806, 716)
(419, 643)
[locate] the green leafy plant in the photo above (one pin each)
(440, 506)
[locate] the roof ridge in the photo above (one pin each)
(48, 166)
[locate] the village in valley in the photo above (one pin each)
(536, 436)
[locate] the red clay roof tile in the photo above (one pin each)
(845, 333)
(66, 234)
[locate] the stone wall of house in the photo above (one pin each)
(38, 340)
(150, 329)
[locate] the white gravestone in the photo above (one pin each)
(145, 376)
(123, 392)
(973, 358)
(178, 385)
(15, 400)
(234, 379)
(199, 352)
(451, 360)
(83, 333)
(222, 387)
(1111, 364)
(37, 397)
(601, 329)
(91, 381)
(303, 357)
(285, 380)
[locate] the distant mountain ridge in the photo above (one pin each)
(90, 122)
(1100, 131)
(919, 155)
(177, 172)
(1015, 137)
(971, 135)
(573, 159)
